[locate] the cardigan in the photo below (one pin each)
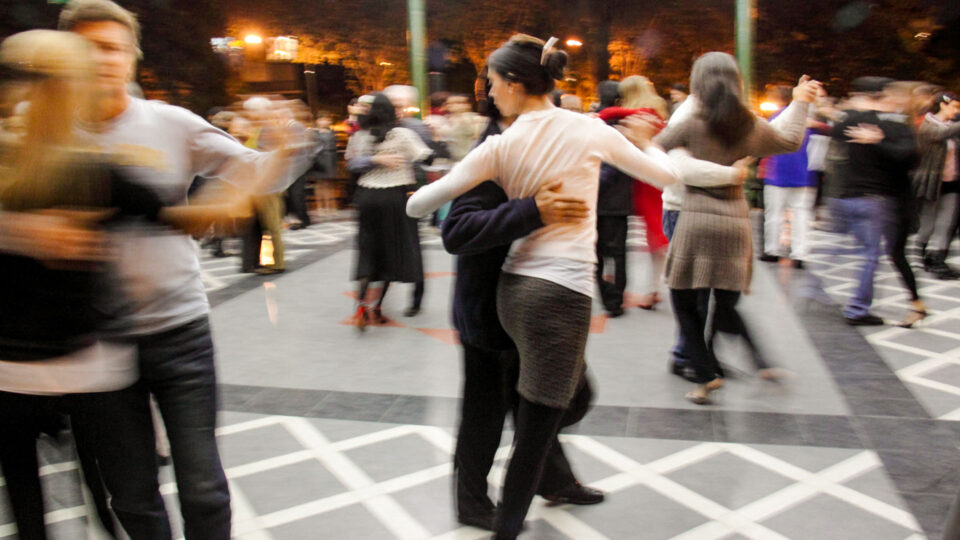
(932, 139)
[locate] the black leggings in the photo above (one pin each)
(726, 319)
(899, 257)
(536, 432)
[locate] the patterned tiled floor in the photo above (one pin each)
(926, 358)
(349, 437)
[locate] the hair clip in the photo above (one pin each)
(547, 49)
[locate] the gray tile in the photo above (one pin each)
(671, 424)
(397, 457)
(353, 522)
(256, 445)
(285, 487)
(430, 411)
(930, 511)
(908, 434)
(645, 451)
(234, 397)
(905, 408)
(541, 530)
(73, 528)
(353, 406)
(926, 341)
(587, 468)
(62, 490)
(949, 374)
(872, 387)
(810, 459)
(431, 504)
(825, 517)
(876, 484)
(624, 511)
(758, 428)
(934, 472)
(339, 430)
(602, 420)
(284, 401)
(898, 359)
(730, 480)
(832, 431)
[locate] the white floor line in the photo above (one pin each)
(393, 516)
(249, 425)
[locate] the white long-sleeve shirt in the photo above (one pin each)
(542, 146)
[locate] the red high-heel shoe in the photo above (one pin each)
(361, 318)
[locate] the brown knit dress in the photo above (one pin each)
(712, 247)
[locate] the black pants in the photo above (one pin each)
(535, 437)
(416, 298)
(252, 238)
(692, 320)
(489, 393)
(22, 419)
(612, 243)
(296, 198)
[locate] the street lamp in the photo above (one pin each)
(253, 39)
(574, 43)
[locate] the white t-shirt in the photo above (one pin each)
(164, 147)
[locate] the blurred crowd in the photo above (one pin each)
(105, 332)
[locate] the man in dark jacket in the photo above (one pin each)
(480, 228)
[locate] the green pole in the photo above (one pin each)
(418, 51)
(745, 10)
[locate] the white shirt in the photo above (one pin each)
(542, 146)
(400, 141)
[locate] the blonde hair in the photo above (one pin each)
(59, 68)
(637, 92)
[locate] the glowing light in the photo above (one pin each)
(253, 39)
(922, 36)
(412, 110)
(385, 64)
(573, 42)
(768, 107)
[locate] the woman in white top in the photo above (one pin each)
(388, 241)
(545, 291)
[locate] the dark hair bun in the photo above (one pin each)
(555, 63)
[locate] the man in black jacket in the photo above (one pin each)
(480, 228)
(879, 149)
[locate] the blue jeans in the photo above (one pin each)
(872, 220)
(176, 366)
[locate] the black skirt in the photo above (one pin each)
(388, 241)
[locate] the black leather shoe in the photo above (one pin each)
(683, 371)
(798, 264)
(615, 312)
(576, 493)
(411, 311)
(766, 257)
(864, 320)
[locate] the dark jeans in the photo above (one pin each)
(536, 436)
(612, 243)
(680, 351)
(176, 366)
(489, 392)
(692, 321)
(120, 428)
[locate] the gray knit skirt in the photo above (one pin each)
(549, 324)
